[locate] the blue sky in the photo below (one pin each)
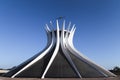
(22, 33)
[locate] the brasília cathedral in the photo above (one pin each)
(59, 59)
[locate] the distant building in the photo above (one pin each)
(59, 59)
(2, 71)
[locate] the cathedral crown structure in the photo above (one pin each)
(59, 59)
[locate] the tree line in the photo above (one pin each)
(115, 70)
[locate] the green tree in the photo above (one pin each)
(116, 69)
